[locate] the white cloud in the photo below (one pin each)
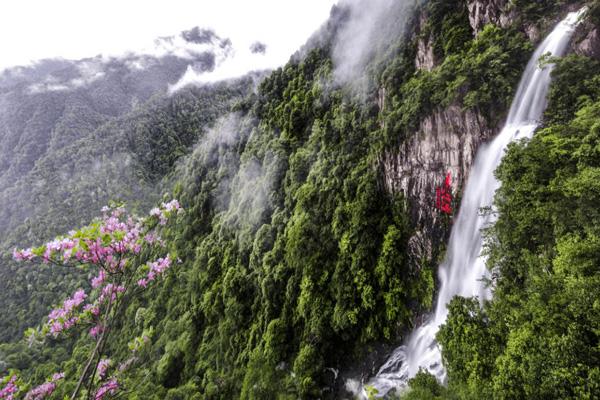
(74, 29)
(239, 62)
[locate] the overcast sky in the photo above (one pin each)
(72, 29)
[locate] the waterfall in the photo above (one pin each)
(462, 271)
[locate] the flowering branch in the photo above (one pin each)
(112, 247)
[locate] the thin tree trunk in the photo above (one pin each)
(99, 345)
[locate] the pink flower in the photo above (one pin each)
(157, 268)
(56, 328)
(65, 317)
(97, 281)
(9, 389)
(109, 387)
(103, 366)
(96, 331)
(42, 391)
(93, 309)
(150, 238)
(79, 297)
(23, 255)
(58, 376)
(172, 205)
(45, 389)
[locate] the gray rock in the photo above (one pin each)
(483, 12)
(425, 59)
(586, 41)
(446, 142)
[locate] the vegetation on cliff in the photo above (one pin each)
(294, 257)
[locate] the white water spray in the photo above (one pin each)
(462, 271)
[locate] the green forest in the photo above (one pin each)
(294, 256)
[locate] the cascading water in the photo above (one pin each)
(464, 267)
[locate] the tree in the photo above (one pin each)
(119, 250)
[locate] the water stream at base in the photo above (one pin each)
(462, 271)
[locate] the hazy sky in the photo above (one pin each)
(35, 29)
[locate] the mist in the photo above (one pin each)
(368, 31)
(244, 189)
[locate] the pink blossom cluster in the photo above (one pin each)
(124, 239)
(165, 210)
(98, 280)
(110, 291)
(110, 244)
(173, 205)
(96, 330)
(126, 236)
(64, 245)
(110, 387)
(93, 309)
(10, 389)
(103, 366)
(45, 389)
(157, 268)
(65, 317)
(152, 238)
(23, 255)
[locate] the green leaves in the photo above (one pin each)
(479, 73)
(539, 337)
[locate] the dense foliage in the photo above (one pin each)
(117, 250)
(130, 157)
(539, 337)
(294, 257)
(277, 282)
(477, 73)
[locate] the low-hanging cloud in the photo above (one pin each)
(369, 29)
(201, 49)
(190, 43)
(197, 35)
(244, 190)
(258, 48)
(238, 63)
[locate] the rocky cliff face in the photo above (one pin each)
(425, 59)
(503, 13)
(500, 13)
(446, 142)
(483, 12)
(587, 41)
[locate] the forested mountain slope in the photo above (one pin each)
(76, 134)
(311, 234)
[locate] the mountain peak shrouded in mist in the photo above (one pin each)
(164, 63)
(75, 134)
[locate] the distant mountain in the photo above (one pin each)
(76, 134)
